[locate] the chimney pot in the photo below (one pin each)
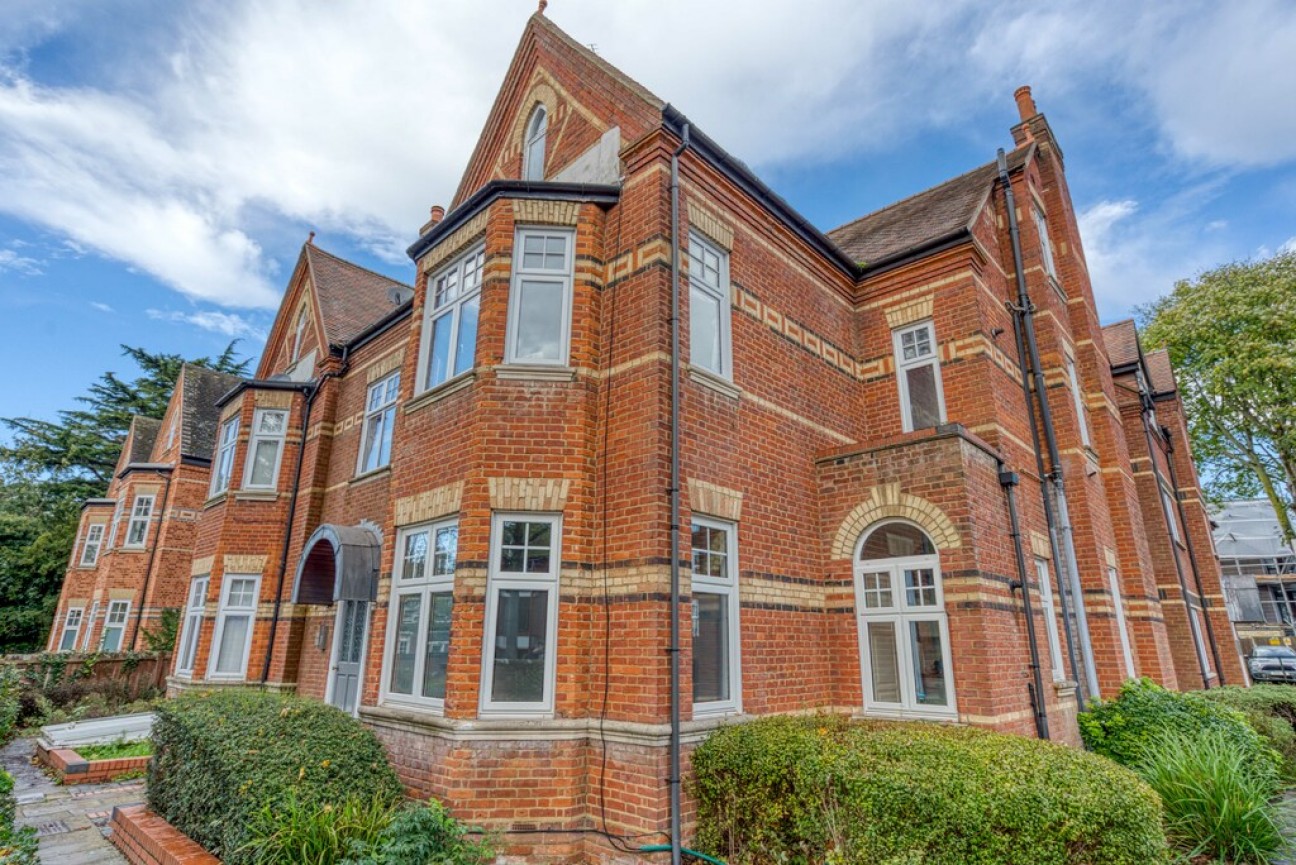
(438, 213)
(1025, 103)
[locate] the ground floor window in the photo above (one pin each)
(71, 629)
(903, 630)
(192, 627)
(114, 626)
(716, 670)
(521, 614)
(422, 605)
(235, 617)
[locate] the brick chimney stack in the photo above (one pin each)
(1025, 103)
(438, 213)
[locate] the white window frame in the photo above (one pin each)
(1118, 603)
(1049, 611)
(1077, 397)
(719, 293)
(388, 388)
(727, 588)
(902, 366)
(299, 335)
(1046, 243)
(118, 506)
(122, 609)
(223, 465)
(425, 587)
(534, 144)
(467, 268)
(901, 614)
(256, 437)
(90, 622)
(498, 581)
(137, 518)
(564, 279)
(70, 626)
(92, 544)
(191, 631)
(223, 614)
(1168, 501)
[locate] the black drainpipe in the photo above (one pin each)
(1020, 313)
(1192, 556)
(1008, 480)
(674, 780)
(1174, 552)
(148, 570)
(310, 393)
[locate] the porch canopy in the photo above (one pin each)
(338, 563)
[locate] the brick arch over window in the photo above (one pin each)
(539, 94)
(888, 502)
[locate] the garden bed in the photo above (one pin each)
(112, 748)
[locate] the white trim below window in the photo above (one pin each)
(240, 595)
(716, 625)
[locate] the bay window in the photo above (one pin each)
(380, 415)
(422, 605)
(224, 464)
(539, 322)
(265, 449)
(450, 325)
(716, 669)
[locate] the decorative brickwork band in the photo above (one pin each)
(429, 505)
(706, 498)
(710, 225)
(274, 399)
(126, 594)
(528, 494)
(469, 233)
(202, 566)
(528, 211)
(390, 363)
(887, 501)
(244, 564)
(907, 313)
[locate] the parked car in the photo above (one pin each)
(1272, 664)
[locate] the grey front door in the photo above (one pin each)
(352, 623)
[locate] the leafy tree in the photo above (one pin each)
(1231, 333)
(50, 467)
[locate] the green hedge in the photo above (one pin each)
(1271, 712)
(824, 790)
(220, 758)
(17, 846)
(1143, 712)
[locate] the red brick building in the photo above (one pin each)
(900, 451)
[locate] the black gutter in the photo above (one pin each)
(1192, 556)
(262, 384)
(598, 193)
(906, 256)
(200, 462)
(148, 569)
(742, 177)
(97, 502)
(1009, 480)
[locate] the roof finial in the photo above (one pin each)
(311, 239)
(543, 5)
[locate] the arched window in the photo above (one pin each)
(903, 631)
(299, 335)
(533, 146)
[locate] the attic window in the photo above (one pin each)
(299, 336)
(533, 148)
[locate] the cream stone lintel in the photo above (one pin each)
(717, 501)
(532, 211)
(243, 564)
(908, 313)
(121, 594)
(1111, 557)
(428, 505)
(232, 408)
(274, 399)
(201, 566)
(706, 222)
(887, 501)
(457, 241)
(1040, 545)
(383, 365)
(69, 603)
(146, 489)
(528, 494)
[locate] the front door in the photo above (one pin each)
(348, 654)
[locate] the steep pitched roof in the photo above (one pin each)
(143, 433)
(201, 387)
(1160, 371)
(920, 219)
(351, 297)
(1121, 339)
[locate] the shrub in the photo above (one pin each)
(813, 790)
(10, 702)
(1271, 711)
(1216, 802)
(1143, 712)
(220, 759)
(163, 637)
(17, 846)
(290, 831)
(425, 835)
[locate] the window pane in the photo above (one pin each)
(437, 650)
(704, 331)
(924, 405)
(190, 646)
(884, 663)
(138, 531)
(272, 422)
(920, 587)
(877, 590)
(447, 544)
(68, 643)
(229, 655)
(439, 356)
(112, 639)
(710, 647)
(539, 321)
(521, 632)
(415, 564)
(928, 663)
(263, 464)
(373, 445)
(895, 540)
(407, 625)
(466, 342)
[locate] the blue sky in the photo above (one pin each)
(162, 162)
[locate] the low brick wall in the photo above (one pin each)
(144, 838)
(71, 768)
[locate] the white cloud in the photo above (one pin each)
(10, 260)
(1289, 246)
(102, 307)
(227, 324)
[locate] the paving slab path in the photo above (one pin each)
(71, 822)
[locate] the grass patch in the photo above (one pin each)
(116, 750)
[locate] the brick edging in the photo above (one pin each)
(71, 768)
(144, 838)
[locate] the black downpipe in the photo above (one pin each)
(674, 780)
(1008, 480)
(148, 570)
(1050, 517)
(1174, 553)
